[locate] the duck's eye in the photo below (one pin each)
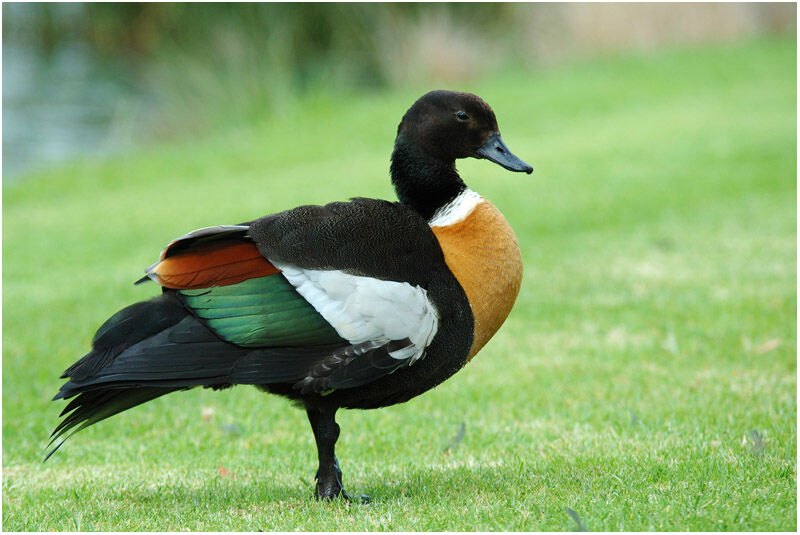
(461, 116)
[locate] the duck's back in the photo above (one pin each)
(369, 237)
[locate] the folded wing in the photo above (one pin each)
(320, 298)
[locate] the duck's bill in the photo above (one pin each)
(495, 150)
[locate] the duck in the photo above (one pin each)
(357, 305)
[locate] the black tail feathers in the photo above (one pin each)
(93, 406)
(127, 327)
(121, 331)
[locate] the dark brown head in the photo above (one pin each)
(448, 125)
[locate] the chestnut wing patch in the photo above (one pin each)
(213, 263)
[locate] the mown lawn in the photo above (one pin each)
(646, 379)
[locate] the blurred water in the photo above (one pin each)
(61, 104)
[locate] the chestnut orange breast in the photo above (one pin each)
(482, 252)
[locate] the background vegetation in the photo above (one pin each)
(646, 379)
(99, 77)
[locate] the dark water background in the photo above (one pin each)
(61, 103)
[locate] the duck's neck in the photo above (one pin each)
(422, 182)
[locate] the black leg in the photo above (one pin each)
(329, 476)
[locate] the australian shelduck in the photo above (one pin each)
(358, 304)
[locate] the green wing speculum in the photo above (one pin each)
(261, 312)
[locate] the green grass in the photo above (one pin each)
(646, 379)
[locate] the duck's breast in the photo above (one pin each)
(481, 250)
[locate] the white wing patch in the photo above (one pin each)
(363, 309)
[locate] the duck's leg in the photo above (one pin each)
(329, 476)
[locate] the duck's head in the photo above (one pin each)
(447, 125)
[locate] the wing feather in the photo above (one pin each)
(348, 274)
(363, 309)
(215, 263)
